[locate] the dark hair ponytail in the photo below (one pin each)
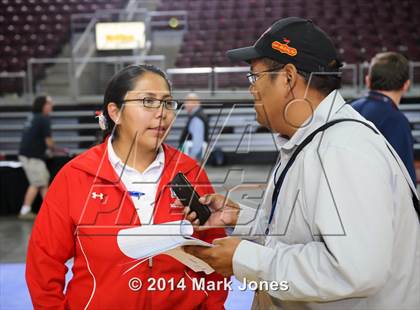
(121, 83)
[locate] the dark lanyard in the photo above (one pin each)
(308, 139)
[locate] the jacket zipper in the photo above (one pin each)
(150, 269)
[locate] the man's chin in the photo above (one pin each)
(262, 121)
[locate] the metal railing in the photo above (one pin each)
(141, 4)
(87, 83)
(413, 66)
(20, 75)
(216, 73)
(213, 75)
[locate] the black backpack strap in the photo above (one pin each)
(305, 142)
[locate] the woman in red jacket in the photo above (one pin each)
(119, 184)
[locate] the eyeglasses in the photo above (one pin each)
(155, 103)
(253, 77)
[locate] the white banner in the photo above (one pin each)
(120, 36)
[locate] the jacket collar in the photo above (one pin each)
(378, 96)
(95, 162)
(120, 165)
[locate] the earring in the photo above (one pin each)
(289, 106)
(103, 123)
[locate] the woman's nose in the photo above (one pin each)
(161, 112)
(254, 92)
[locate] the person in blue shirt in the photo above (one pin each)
(387, 81)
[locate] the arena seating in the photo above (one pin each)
(32, 28)
(39, 29)
(218, 25)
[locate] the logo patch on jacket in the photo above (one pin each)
(99, 196)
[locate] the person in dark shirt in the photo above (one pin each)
(194, 137)
(36, 138)
(387, 81)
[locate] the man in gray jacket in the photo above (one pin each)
(337, 228)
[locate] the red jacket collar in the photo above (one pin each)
(95, 162)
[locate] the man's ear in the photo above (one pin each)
(367, 81)
(113, 112)
(291, 75)
(406, 86)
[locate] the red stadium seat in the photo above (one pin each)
(359, 28)
(38, 28)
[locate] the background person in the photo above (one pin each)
(388, 81)
(194, 136)
(36, 138)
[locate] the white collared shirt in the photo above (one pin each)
(143, 184)
(344, 233)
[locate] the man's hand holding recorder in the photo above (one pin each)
(223, 213)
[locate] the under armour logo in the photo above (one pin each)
(100, 195)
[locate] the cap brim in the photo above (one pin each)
(243, 54)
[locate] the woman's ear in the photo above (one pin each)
(113, 112)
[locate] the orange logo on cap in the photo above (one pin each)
(284, 47)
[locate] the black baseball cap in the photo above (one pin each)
(293, 40)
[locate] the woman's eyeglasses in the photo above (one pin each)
(155, 103)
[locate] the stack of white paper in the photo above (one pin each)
(168, 238)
